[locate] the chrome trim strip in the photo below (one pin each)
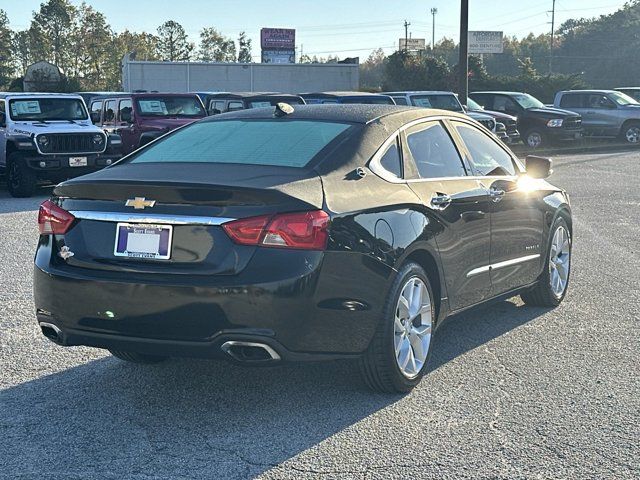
(149, 218)
(505, 263)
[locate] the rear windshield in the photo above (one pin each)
(443, 102)
(44, 109)
(170, 107)
(277, 142)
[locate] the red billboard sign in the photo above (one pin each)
(278, 38)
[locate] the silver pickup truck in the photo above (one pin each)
(605, 113)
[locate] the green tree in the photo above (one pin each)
(51, 33)
(372, 70)
(93, 40)
(6, 62)
(21, 47)
(215, 47)
(244, 52)
(416, 72)
(173, 44)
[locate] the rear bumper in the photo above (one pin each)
(313, 305)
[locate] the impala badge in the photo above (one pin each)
(140, 203)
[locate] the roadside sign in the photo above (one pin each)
(278, 38)
(485, 42)
(411, 44)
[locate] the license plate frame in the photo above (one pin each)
(142, 237)
(78, 161)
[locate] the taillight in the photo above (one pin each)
(301, 230)
(53, 220)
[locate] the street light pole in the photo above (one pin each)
(406, 35)
(433, 29)
(553, 25)
(463, 62)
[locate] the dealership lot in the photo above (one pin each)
(514, 392)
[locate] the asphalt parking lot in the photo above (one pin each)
(514, 391)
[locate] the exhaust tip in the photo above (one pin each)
(52, 332)
(249, 351)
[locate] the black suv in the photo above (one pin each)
(538, 124)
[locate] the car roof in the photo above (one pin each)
(38, 94)
(240, 95)
(500, 92)
(590, 90)
(627, 88)
(420, 92)
(351, 113)
(341, 94)
(141, 95)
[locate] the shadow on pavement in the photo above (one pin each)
(8, 204)
(198, 418)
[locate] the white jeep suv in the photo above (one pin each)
(49, 137)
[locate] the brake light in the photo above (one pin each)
(301, 230)
(53, 220)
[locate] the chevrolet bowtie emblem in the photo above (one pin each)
(140, 203)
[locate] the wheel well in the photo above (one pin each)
(11, 147)
(564, 213)
(428, 263)
(627, 123)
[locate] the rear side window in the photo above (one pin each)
(391, 161)
(433, 151)
(234, 106)
(124, 111)
(216, 107)
(274, 142)
(488, 157)
(400, 100)
(572, 100)
(110, 111)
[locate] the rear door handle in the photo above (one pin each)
(496, 194)
(440, 201)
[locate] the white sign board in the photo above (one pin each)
(411, 44)
(485, 42)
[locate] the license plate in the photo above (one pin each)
(77, 161)
(143, 241)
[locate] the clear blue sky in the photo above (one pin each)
(338, 27)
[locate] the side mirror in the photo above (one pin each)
(3, 119)
(95, 117)
(538, 167)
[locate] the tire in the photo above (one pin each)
(544, 294)
(21, 181)
(534, 139)
(380, 364)
(631, 133)
(135, 357)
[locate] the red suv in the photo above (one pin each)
(140, 118)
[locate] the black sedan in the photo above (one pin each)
(300, 233)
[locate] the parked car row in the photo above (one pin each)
(52, 137)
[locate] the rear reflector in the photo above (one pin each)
(53, 220)
(300, 230)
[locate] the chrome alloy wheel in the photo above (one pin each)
(412, 327)
(559, 261)
(633, 134)
(534, 140)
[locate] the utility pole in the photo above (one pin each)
(406, 35)
(553, 24)
(463, 62)
(433, 29)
